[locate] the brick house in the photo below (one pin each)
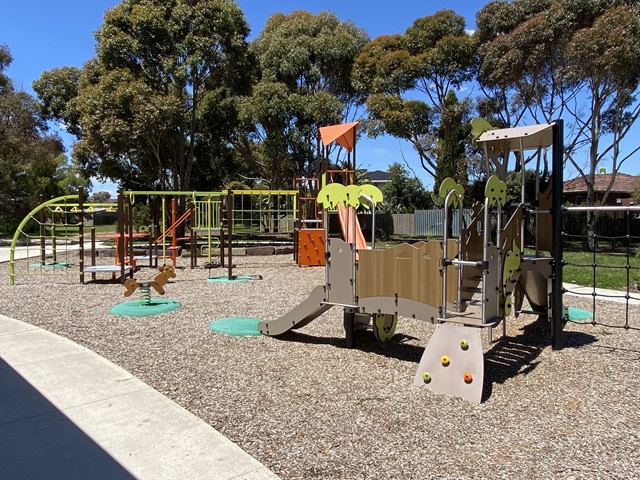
(575, 190)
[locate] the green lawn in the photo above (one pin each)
(606, 273)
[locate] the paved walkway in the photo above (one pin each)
(617, 296)
(67, 413)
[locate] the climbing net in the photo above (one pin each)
(613, 254)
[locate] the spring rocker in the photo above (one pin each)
(145, 306)
(464, 285)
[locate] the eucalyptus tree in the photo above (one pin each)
(403, 193)
(155, 108)
(32, 160)
(411, 81)
(577, 60)
(304, 82)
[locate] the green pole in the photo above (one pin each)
(16, 235)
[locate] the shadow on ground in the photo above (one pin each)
(518, 355)
(508, 357)
(37, 440)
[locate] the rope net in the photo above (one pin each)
(612, 261)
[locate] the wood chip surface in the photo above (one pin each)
(308, 408)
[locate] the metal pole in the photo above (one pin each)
(129, 235)
(556, 284)
(43, 233)
(120, 237)
(81, 231)
(230, 231)
(93, 252)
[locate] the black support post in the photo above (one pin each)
(81, 231)
(557, 319)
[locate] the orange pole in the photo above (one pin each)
(174, 240)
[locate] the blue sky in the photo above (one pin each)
(43, 34)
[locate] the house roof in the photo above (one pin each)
(624, 183)
(378, 176)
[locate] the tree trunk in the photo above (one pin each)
(591, 217)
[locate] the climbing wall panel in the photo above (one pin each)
(311, 247)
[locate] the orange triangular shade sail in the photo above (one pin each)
(344, 134)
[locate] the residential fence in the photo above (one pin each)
(423, 223)
(430, 223)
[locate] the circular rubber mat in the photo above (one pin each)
(137, 308)
(51, 264)
(235, 278)
(577, 314)
(236, 326)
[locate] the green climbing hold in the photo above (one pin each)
(426, 377)
(464, 344)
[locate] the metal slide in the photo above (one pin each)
(300, 316)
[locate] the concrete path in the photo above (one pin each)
(67, 413)
(617, 296)
(31, 251)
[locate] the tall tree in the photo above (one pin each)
(159, 98)
(433, 57)
(305, 67)
(404, 194)
(570, 59)
(32, 162)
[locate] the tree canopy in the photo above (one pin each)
(404, 194)
(176, 98)
(543, 59)
(433, 57)
(159, 98)
(32, 160)
(304, 83)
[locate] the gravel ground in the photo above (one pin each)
(309, 408)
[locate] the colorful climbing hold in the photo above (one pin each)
(464, 344)
(426, 377)
(444, 359)
(467, 377)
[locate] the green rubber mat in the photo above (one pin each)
(235, 278)
(236, 326)
(51, 264)
(137, 308)
(577, 314)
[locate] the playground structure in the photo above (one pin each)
(313, 223)
(210, 219)
(463, 285)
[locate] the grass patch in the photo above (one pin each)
(610, 271)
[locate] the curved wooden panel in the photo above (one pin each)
(405, 271)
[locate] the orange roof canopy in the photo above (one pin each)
(343, 133)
